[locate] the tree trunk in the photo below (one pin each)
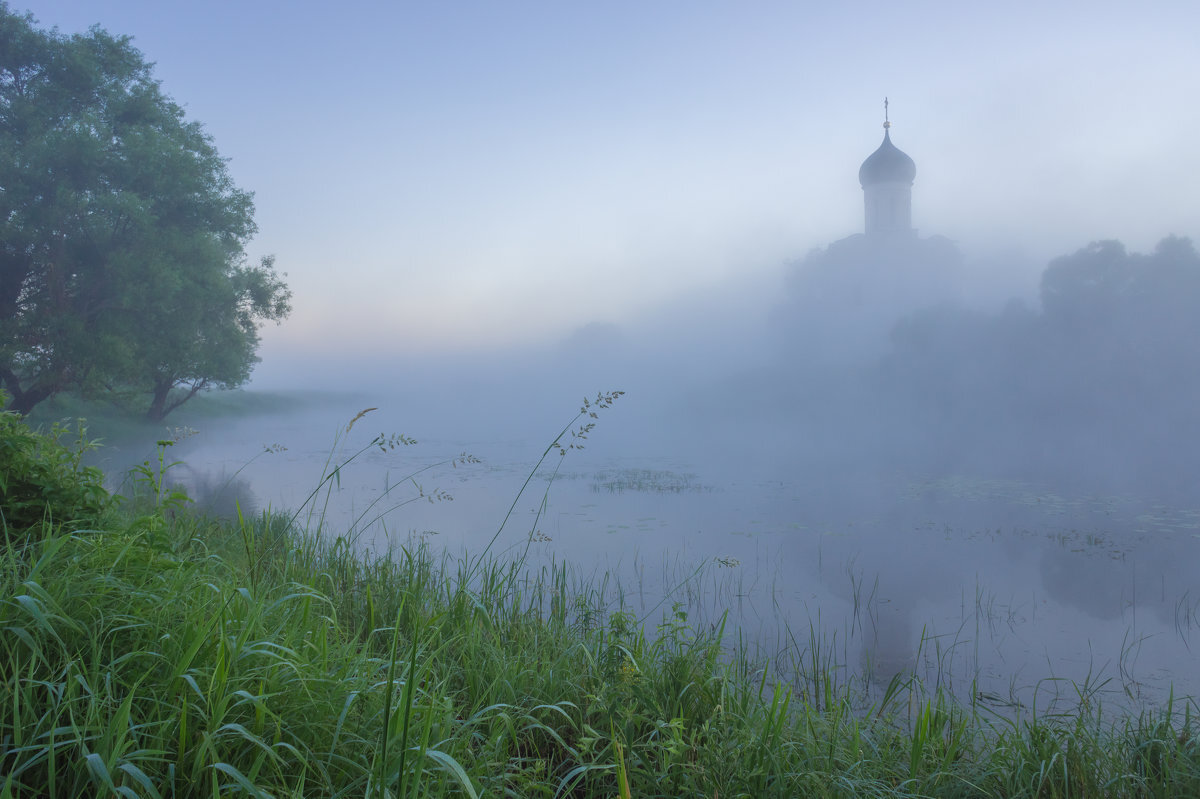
(158, 403)
(24, 400)
(160, 407)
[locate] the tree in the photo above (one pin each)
(1085, 289)
(211, 344)
(1130, 308)
(122, 235)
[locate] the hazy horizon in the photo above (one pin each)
(471, 179)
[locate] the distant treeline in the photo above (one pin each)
(1100, 376)
(1113, 353)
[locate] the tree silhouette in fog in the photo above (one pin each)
(1104, 372)
(1138, 311)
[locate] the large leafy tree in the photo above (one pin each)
(1136, 310)
(122, 235)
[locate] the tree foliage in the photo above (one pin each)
(122, 235)
(1108, 363)
(1148, 301)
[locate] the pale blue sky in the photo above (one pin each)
(454, 175)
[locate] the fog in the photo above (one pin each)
(890, 452)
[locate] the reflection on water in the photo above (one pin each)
(1001, 590)
(217, 492)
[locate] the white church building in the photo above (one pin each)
(845, 298)
(887, 178)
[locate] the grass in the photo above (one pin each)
(150, 652)
(115, 417)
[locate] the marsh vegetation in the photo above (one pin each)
(154, 651)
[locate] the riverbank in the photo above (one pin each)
(149, 650)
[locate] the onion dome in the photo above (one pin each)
(887, 165)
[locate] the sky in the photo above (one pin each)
(463, 177)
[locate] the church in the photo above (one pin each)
(886, 178)
(845, 298)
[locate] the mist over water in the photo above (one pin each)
(880, 455)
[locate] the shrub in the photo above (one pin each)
(43, 479)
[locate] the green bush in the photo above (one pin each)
(42, 478)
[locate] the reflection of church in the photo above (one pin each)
(845, 298)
